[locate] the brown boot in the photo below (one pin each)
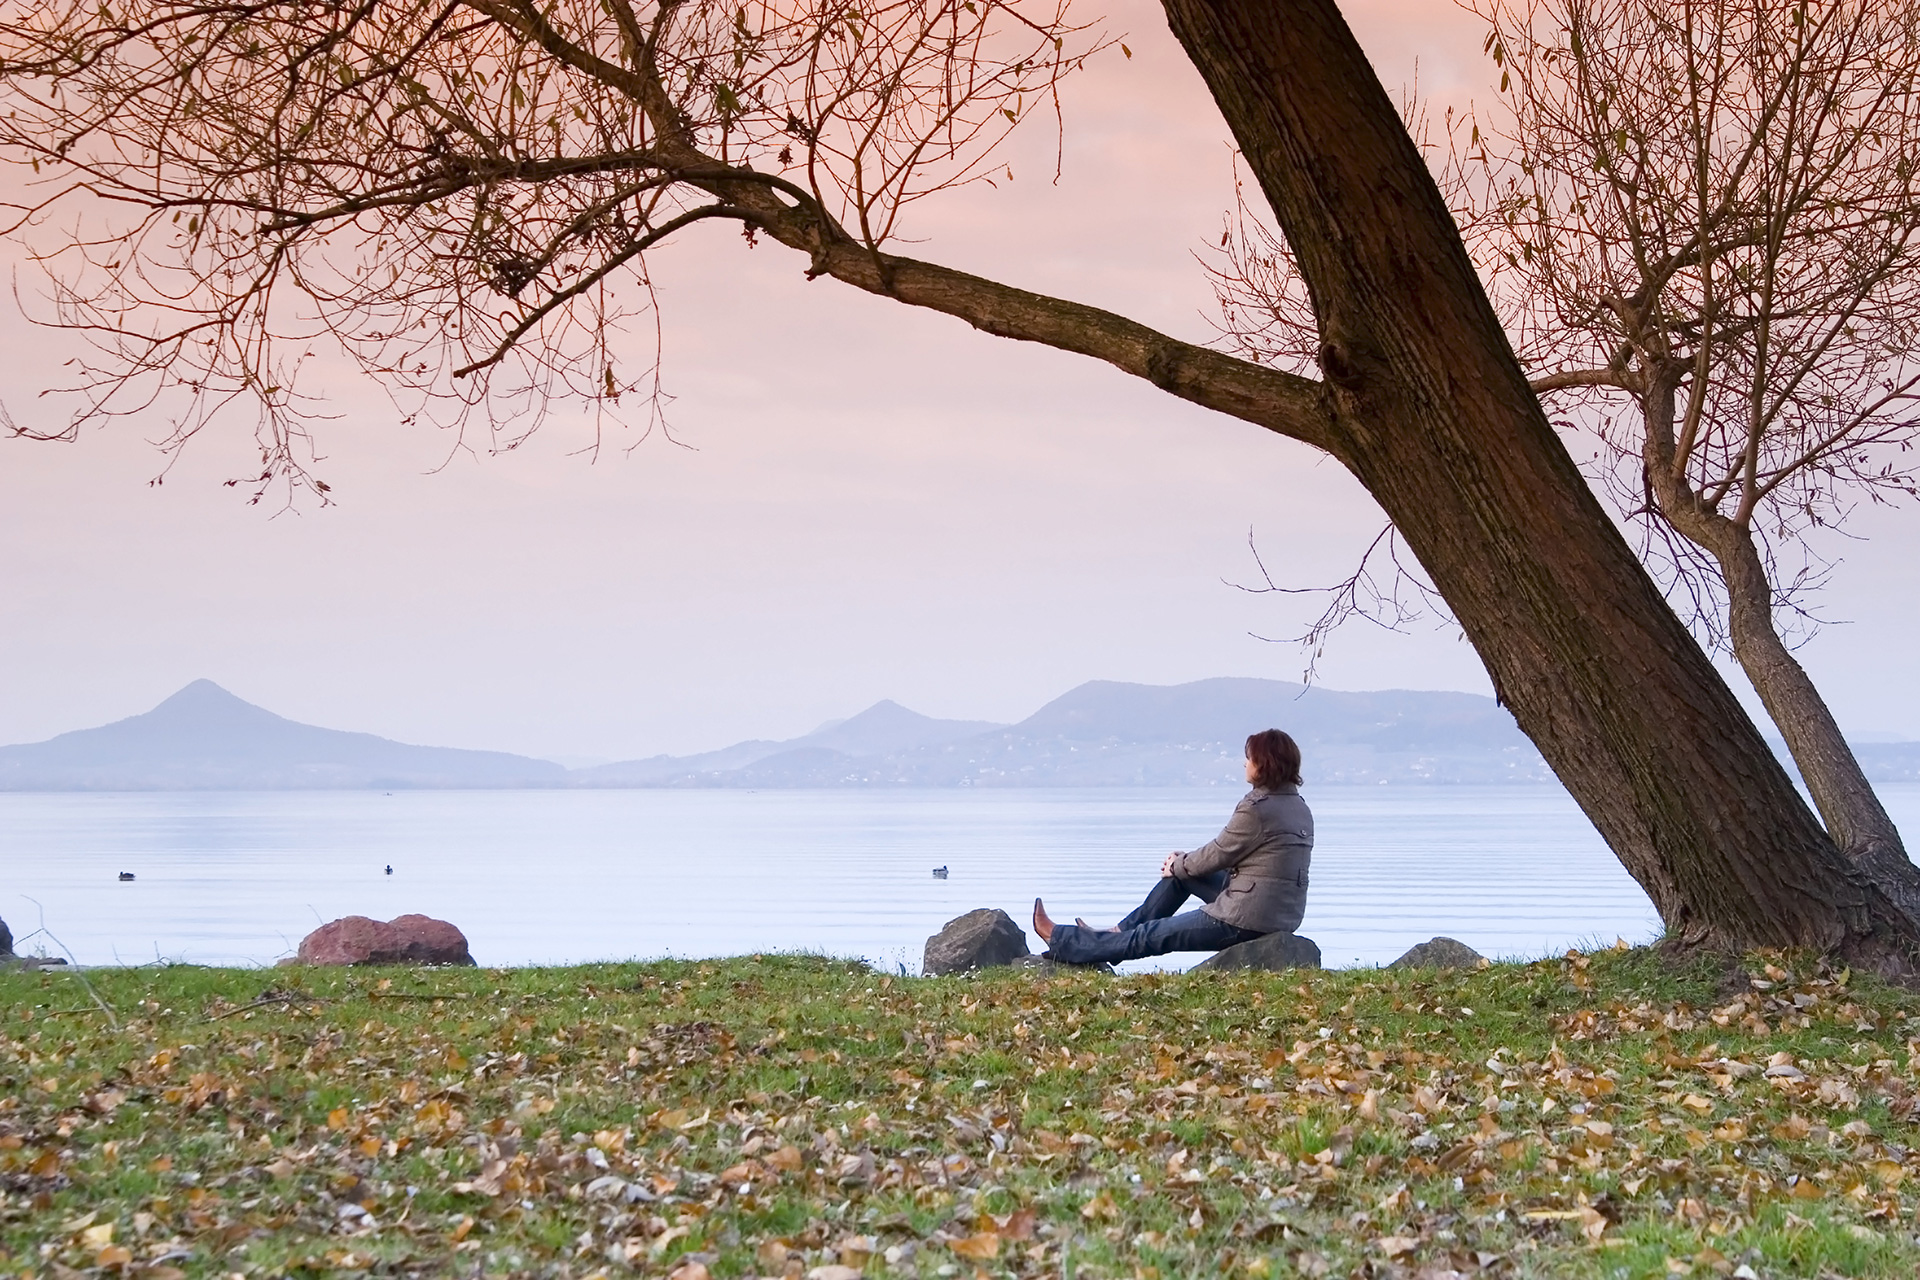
(1042, 923)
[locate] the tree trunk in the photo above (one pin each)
(1852, 812)
(1433, 414)
(1854, 817)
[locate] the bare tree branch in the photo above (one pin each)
(460, 195)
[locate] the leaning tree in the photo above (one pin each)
(452, 190)
(1704, 215)
(1697, 219)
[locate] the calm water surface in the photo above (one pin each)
(557, 876)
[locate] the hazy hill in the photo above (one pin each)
(884, 729)
(1101, 734)
(204, 738)
(1105, 733)
(1194, 733)
(1889, 761)
(1225, 710)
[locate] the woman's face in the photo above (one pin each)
(1253, 775)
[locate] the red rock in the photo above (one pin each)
(429, 941)
(350, 940)
(411, 939)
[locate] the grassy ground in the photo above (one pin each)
(785, 1116)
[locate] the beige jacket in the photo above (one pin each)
(1267, 847)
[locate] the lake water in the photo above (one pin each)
(558, 876)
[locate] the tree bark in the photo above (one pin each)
(1853, 814)
(1433, 414)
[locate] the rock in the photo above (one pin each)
(430, 941)
(975, 940)
(349, 940)
(1270, 951)
(403, 940)
(10, 962)
(1439, 953)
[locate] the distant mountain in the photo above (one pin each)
(1195, 733)
(1106, 733)
(884, 729)
(204, 738)
(1101, 734)
(1889, 761)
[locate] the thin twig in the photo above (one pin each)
(74, 961)
(264, 1001)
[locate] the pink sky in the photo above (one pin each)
(875, 503)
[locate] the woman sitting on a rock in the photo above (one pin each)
(1252, 876)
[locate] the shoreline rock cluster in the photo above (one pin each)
(984, 938)
(988, 938)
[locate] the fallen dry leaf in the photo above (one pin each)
(745, 1171)
(1311, 1265)
(1020, 1224)
(983, 1244)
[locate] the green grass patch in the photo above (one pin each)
(1604, 1115)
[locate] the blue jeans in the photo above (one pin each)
(1152, 928)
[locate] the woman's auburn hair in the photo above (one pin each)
(1276, 758)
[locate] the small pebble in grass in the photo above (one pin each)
(980, 1084)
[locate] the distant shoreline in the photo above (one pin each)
(1101, 735)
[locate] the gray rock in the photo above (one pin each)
(10, 963)
(1271, 951)
(1439, 953)
(975, 940)
(6, 939)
